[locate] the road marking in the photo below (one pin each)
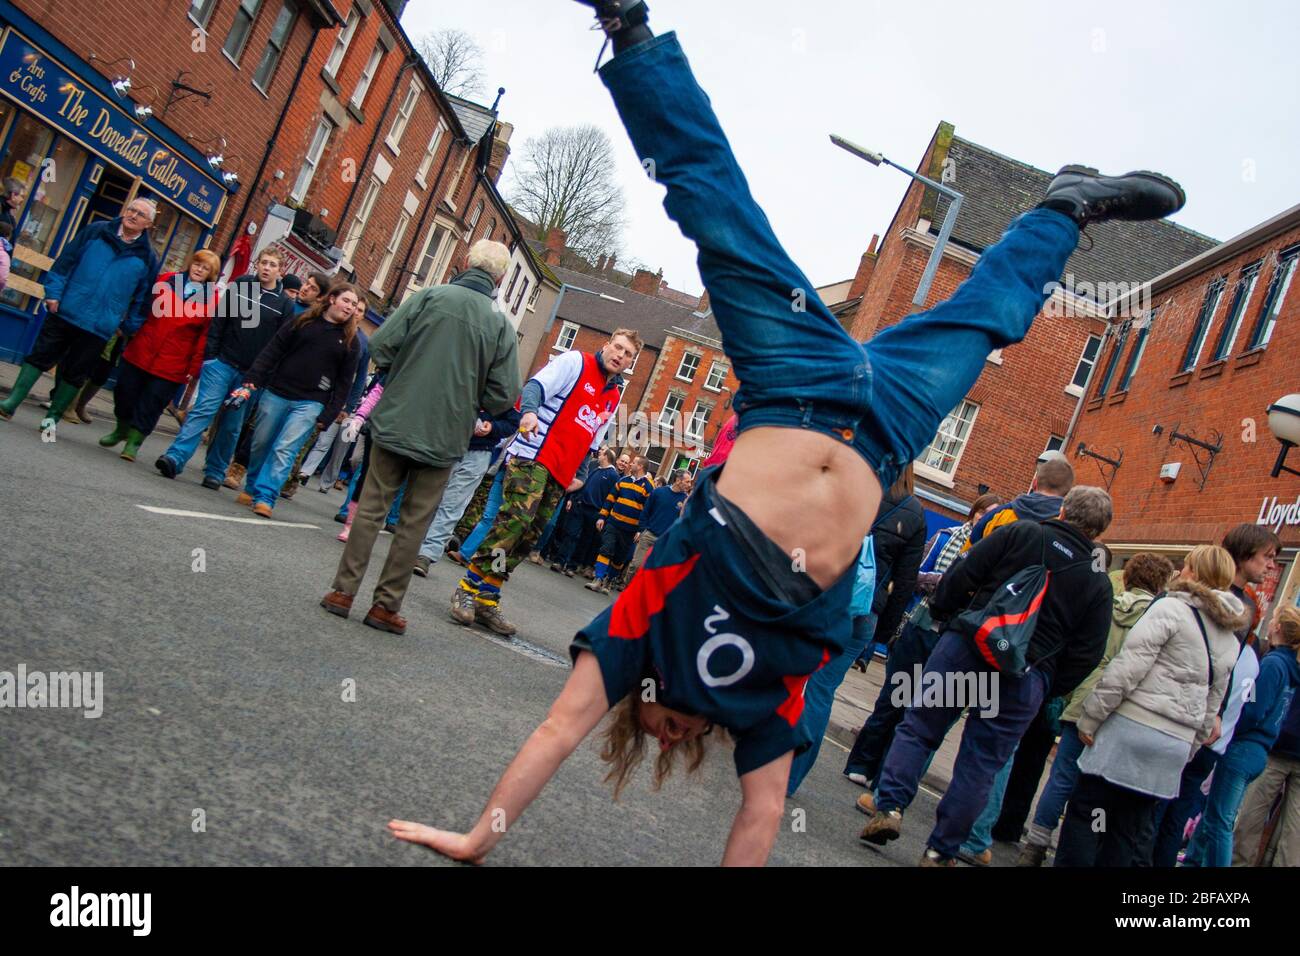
(520, 646)
(179, 513)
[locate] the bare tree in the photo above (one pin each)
(455, 61)
(565, 179)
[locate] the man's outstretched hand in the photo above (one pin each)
(454, 845)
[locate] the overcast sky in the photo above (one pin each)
(1200, 89)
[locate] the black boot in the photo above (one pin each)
(624, 21)
(1085, 195)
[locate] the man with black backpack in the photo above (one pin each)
(1030, 604)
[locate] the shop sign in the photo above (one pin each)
(1275, 514)
(67, 103)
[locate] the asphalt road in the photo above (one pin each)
(223, 692)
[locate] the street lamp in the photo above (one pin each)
(949, 220)
(1284, 423)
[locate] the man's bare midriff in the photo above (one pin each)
(813, 495)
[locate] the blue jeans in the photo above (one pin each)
(1236, 770)
(981, 831)
(800, 368)
(283, 424)
(469, 547)
(1171, 816)
(1060, 782)
(819, 695)
(216, 381)
(461, 485)
(987, 743)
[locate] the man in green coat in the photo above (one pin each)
(444, 353)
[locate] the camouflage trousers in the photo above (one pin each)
(529, 496)
(474, 511)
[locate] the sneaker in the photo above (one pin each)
(489, 615)
(1031, 854)
(209, 483)
(595, 585)
(859, 778)
(462, 606)
(884, 825)
(1086, 196)
(167, 468)
(382, 619)
(422, 566)
(983, 858)
(867, 803)
(935, 858)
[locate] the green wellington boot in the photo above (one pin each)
(27, 376)
(134, 439)
(117, 435)
(64, 395)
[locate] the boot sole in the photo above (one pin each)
(459, 618)
(879, 838)
(496, 630)
(335, 609)
(1160, 178)
(379, 625)
(422, 572)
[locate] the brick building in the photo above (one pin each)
(1024, 401)
(91, 117)
(1185, 378)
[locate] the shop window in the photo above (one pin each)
(275, 46)
(237, 38)
(185, 239)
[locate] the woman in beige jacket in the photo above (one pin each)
(1155, 703)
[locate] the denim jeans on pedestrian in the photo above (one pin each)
(216, 381)
(461, 484)
(1060, 782)
(981, 831)
(469, 547)
(912, 648)
(283, 424)
(987, 742)
(319, 450)
(819, 696)
(1236, 770)
(800, 368)
(1172, 815)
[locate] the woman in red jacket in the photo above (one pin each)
(165, 353)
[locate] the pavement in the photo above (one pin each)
(241, 724)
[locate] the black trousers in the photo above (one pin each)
(579, 543)
(1106, 825)
(140, 398)
(1026, 772)
(616, 543)
(74, 350)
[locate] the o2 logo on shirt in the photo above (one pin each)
(716, 643)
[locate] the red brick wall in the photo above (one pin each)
(591, 340)
(1216, 396)
(157, 34)
(664, 380)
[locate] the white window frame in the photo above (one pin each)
(403, 117)
(1060, 443)
(320, 139)
(204, 16)
(637, 358)
(276, 44)
(368, 75)
(362, 217)
(565, 327)
(935, 472)
(682, 364)
(341, 43)
(1084, 361)
(422, 174)
(431, 253)
(252, 22)
(532, 306)
(713, 367)
(452, 186)
(390, 252)
(703, 422)
(668, 412)
(475, 216)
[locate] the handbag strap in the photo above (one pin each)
(1206, 638)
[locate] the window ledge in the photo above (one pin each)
(1249, 358)
(710, 388)
(1117, 398)
(330, 81)
(421, 182)
(1095, 404)
(1182, 378)
(1213, 369)
(932, 474)
(233, 61)
(392, 145)
(688, 381)
(994, 357)
(355, 112)
(1074, 390)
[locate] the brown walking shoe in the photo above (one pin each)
(336, 602)
(234, 476)
(382, 619)
(884, 825)
(462, 606)
(244, 499)
(867, 803)
(489, 615)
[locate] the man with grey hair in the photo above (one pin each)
(101, 282)
(448, 358)
(1068, 640)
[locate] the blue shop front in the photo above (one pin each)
(79, 153)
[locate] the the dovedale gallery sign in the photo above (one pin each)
(71, 106)
(1275, 514)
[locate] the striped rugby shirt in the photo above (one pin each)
(627, 500)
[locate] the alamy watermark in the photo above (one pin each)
(977, 690)
(75, 690)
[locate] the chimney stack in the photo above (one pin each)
(704, 302)
(613, 260)
(500, 151)
(866, 265)
(554, 246)
(600, 264)
(646, 282)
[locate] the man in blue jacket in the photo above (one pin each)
(101, 282)
(586, 509)
(463, 481)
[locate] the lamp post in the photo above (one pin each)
(949, 220)
(1284, 423)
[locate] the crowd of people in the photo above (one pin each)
(752, 587)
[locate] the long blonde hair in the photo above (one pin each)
(624, 743)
